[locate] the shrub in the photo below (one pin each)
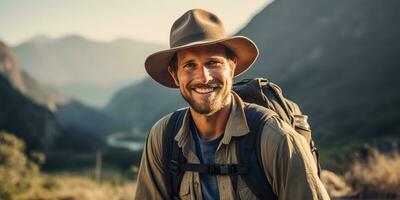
(335, 185)
(378, 176)
(16, 168)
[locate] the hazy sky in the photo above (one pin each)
(147, 20)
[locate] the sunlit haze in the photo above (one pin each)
(102, 20)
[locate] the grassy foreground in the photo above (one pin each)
(20, 178)
(370, 175)
(51, 187)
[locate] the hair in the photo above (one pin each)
(174, 60)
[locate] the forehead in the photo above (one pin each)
(201, 51)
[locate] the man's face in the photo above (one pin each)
(204, 75)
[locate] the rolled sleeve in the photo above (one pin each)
(151, 182)
(288, 163)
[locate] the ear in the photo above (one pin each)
(232, 63)
(173, 75)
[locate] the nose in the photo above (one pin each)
(204, 75)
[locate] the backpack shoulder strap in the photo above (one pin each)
(255, 179)
(172, 154)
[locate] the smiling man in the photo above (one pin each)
(192, 153)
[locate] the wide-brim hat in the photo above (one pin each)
(195, 28)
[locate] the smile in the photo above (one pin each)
(204, 90)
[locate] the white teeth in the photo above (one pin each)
(203, 90)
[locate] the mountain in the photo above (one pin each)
(87, 70)
(24, 83)
(142, 104)
(19, 114)
(10, 69)
(42, 94)
(337, 59)
(74, 114)
(36, 125)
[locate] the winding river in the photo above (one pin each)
(118, 139)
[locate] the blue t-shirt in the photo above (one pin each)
(205, 150)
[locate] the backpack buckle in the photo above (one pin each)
(224, 169)
(174, 166)
(212, 170)
(227, 169)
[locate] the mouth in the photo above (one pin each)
(205, 89)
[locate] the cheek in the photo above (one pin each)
(183, 78)
(223, 74)
(229, 72)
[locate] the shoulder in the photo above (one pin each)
(284, 147)
(277, 132)
(275, 129)
(258, 110)
(159, 126)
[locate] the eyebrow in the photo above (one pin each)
(189, 61)
(216, 57)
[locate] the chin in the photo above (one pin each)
(206, 110)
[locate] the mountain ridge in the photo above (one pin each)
(75, 60)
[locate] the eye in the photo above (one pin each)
(189, 65)
(213, 63)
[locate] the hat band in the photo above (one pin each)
(198, 37)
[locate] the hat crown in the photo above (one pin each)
(196, 25)
(195, 28)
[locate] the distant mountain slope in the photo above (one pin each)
(18, 113)
(10, 69)
(24, 83)
(142, 104)
(84, 65)
(74, 114)
(29, 121)
(337, 59)
(42, 94)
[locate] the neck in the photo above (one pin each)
(212, 126)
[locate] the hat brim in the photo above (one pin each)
(157, 63)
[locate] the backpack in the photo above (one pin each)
(270, 103)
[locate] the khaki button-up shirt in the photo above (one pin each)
(286, 156)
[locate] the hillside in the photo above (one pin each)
(10, 69)
(142, 104)
(24, 83)
(334, 59)
(19, 114)
(33, 123)
(74, 114)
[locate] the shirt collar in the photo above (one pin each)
(237, 123)
(235, 127)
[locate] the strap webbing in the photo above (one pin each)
(215, 169)
(172, 153)
(248, 150)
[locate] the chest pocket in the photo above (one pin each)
(244, 191)
(184, 191)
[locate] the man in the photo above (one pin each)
(202, 62)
